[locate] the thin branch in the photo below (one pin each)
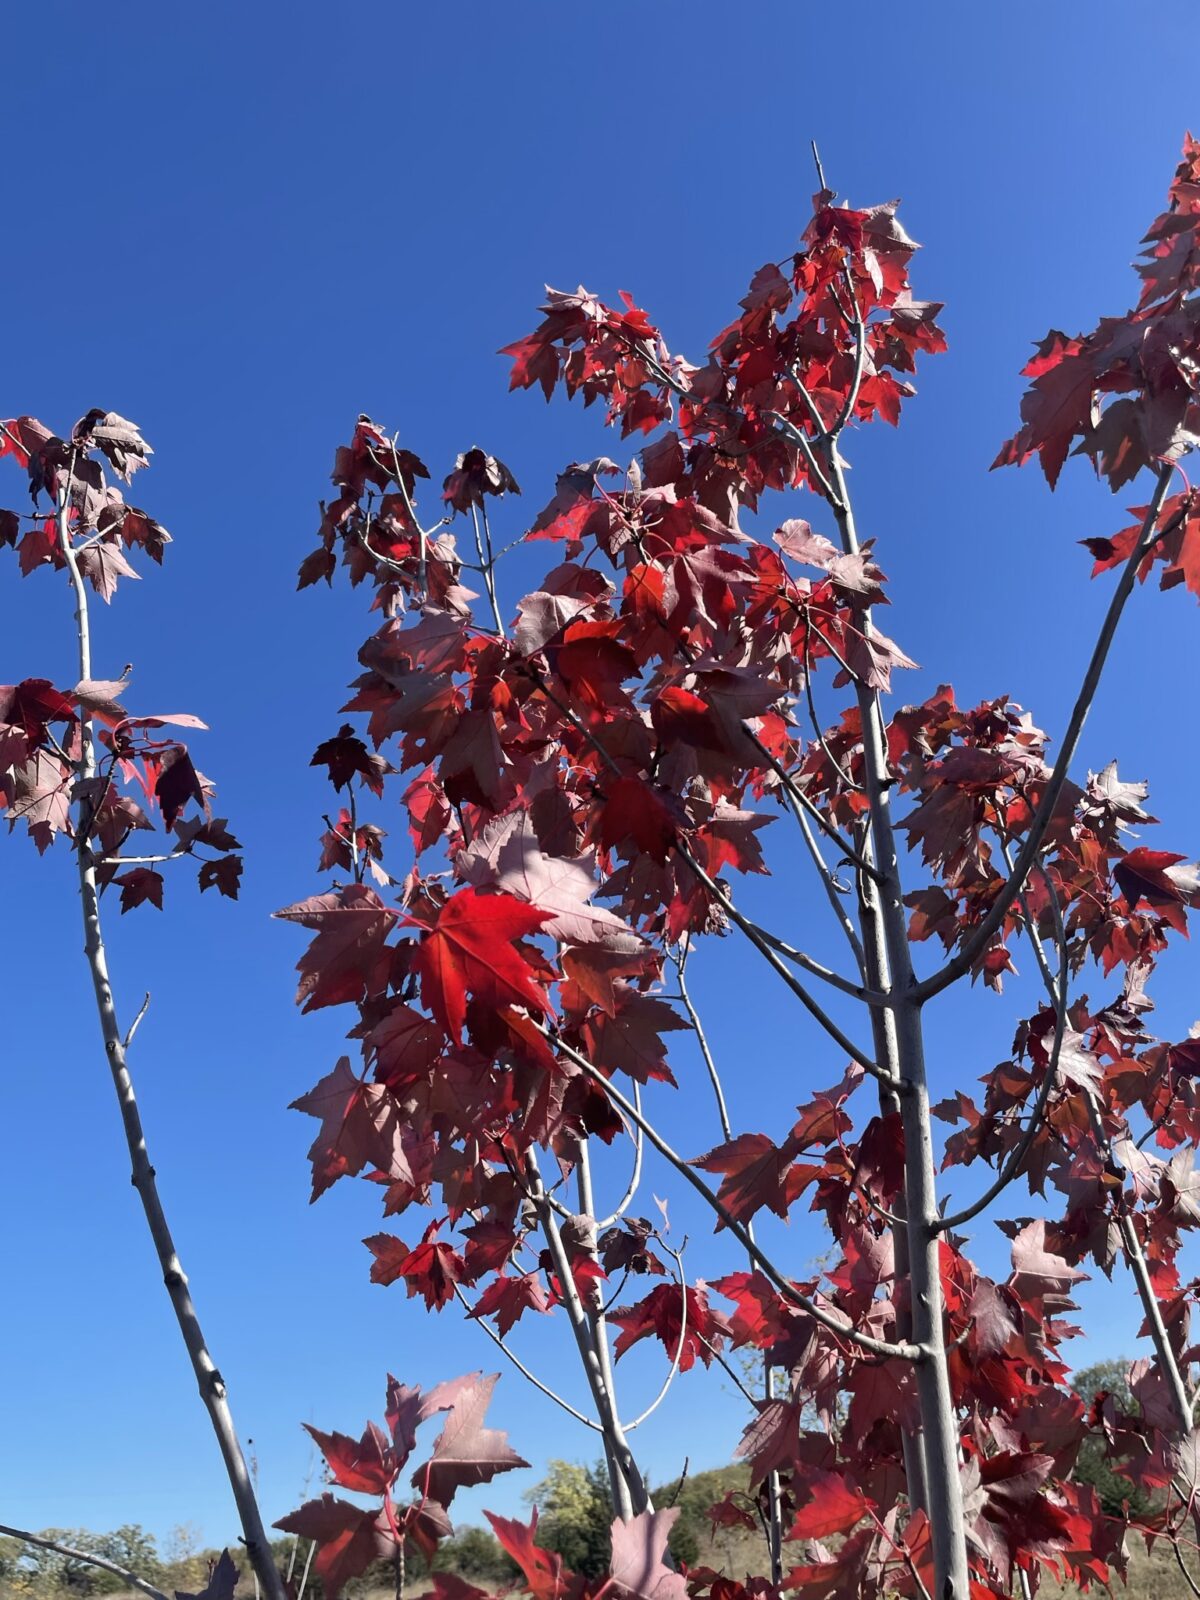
(829, 883)
(730, 1370)
(137, 1022)
(140, 861)
(312, 1549)
(714, 1077)
(498, 1340)
(628, 1486)
(964, 958)
(102, 1562)
(859, 327)
(635, 1179)
(487, 568)
(679, 1348)
(799, 798)
(766, 950)
(843, 777)
(879, 1347)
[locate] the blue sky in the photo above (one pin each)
(242, 225)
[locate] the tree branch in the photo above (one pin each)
(765, 948)
(683, 1328)
(1011, 1169)
(635, 1179)
(499, 1341)
(628, 1486)
(878, 1347)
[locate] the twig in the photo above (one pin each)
(799, 798)
(1058, 997)
(830, 885)
(729, 1370)
(843, 777)
(628, 1486)
(766, 950)
(635, 1179)
(500, 1343)
(137, 1021)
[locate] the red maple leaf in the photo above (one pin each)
(465, 1452)
(348, 1539)
(431, 1270)
(367, 1465)
(660, 1315)
(545, 1576)
(759, 1172)
(347, 959)
(359, 1128)
(470, 947)
(832, 1507)
(508, 1298)
(639, 1547)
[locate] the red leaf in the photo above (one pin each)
(470, 947)
(138, 885)
(359, 1128)
(465, 1452)
(545, 1576)
(834, 1507)
(367, 1465)
(347, 960)
(508, 1299)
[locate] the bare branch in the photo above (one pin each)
(635, 1179)
(714, 1077)
(879, 1347)
(800, 799)
(765, 948)
(629, 1488)
(500, 1343)
(843, 777)
(137, 1022)
(143, 1176)
(834, 895)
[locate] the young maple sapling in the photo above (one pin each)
(596, 767)
(76, 766)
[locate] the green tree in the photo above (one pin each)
(1092, 1465)
(575, 1515)
(476, 1553)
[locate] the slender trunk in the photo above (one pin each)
(208, 1378)
(887, 1054)
(623, 1492)
(942, 1487)
(629, 1489)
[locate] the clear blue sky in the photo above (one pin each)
(242, 224)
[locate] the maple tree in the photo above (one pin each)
(77, 767)
(596, 767)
